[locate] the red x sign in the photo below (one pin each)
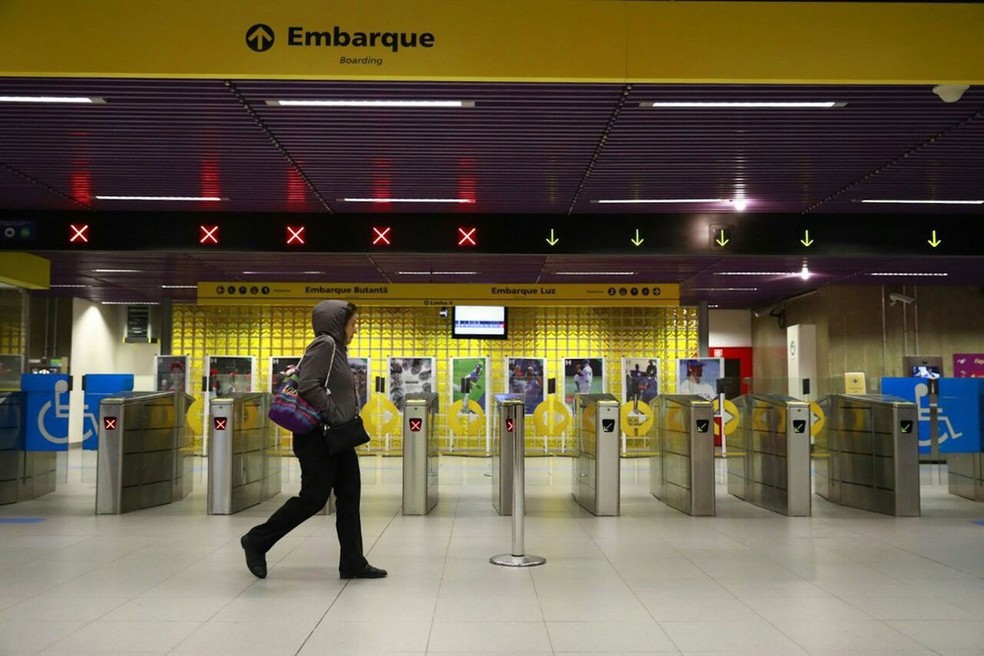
(80, 234)
(208, 234)
(381, 236)
(467, 236)
(295, 236)
(510, 425)
(220, 423)
(416, 424)
(109, 423)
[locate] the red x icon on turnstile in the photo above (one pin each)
(220, 423)
(416, 424)
(510, 425)
(109, 423)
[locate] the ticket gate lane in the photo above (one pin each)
(596, 476)
(873, 454)
(769, 455)
(420, 453)
(243, 462)
(682, 470)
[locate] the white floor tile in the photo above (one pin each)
(488, 637)
(609, 637)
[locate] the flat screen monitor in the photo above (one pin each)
(925, 371)
(479, 322)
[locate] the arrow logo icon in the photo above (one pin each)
(806, 241)
(552, 240)
(934, 242)
(721, 240)
(259, 37)
(638, 240)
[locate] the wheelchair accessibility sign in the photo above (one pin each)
(958, 411)
(47, 411)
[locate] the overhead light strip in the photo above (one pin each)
(70, 286)
(282, 273)
(725, 289)
(79, 100)
(130, 302)
(756, 273)
(744, 104)
(179, 286)
(899, 201)
(407, 200)
(668, 201)
(910, 274)
(372, 103)
(437, 273)
(595, 273)
(116, 271)
(163, 198)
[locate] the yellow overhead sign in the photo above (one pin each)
(280, 293)
(24, 270)
(505, 40)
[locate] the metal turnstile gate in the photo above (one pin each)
(868, 455)
(510, 411)
(681, 473)
(243, 462)
(596, 476)
(145, 453)
(768, 455)
(420, 453)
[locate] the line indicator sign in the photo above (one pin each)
(637, 241)
(806, 241)
(934, 242)
(552, 239)
(722, 239)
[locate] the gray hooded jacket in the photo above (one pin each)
(341, 403)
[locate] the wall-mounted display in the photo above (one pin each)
(408, 376)
(525, 376)
(172, 373)
(11, 368)
(699, 376)
(583, 376)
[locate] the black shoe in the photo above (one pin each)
(367, 572)
(255, 559)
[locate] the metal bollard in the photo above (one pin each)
(513, 423)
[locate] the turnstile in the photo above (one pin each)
(243, 463)
(681, 473)
(769, 454)
(965, 475)
(510, 411)
(868, 455)
(595, 479)
(24, 474)
(145, 452)
(420, 453)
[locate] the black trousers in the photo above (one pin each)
(320, 474)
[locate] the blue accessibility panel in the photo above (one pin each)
(959, 414)
(97, 387)
(46, 416)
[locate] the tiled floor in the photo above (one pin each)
(171, 580)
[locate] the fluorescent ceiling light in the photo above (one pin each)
(612, 201)
(179, 286)
(87, 100)
(725, 289)
(130, 303)
(116, 270)
(906, 273)
(595, 273)
(372, 103)
(70, 286)
(805, 273)
(755, 273)
(743, 104)
(923, 202)
(407, 200)
(437, 273)
(176, 198)
(282, 273)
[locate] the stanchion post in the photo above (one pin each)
(513, 429)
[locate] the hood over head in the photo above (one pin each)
(328, 318)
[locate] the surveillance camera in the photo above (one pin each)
(950, 93)
(900, 298)
(443, 313)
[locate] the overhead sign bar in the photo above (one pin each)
(507, 40)
(439, 295)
